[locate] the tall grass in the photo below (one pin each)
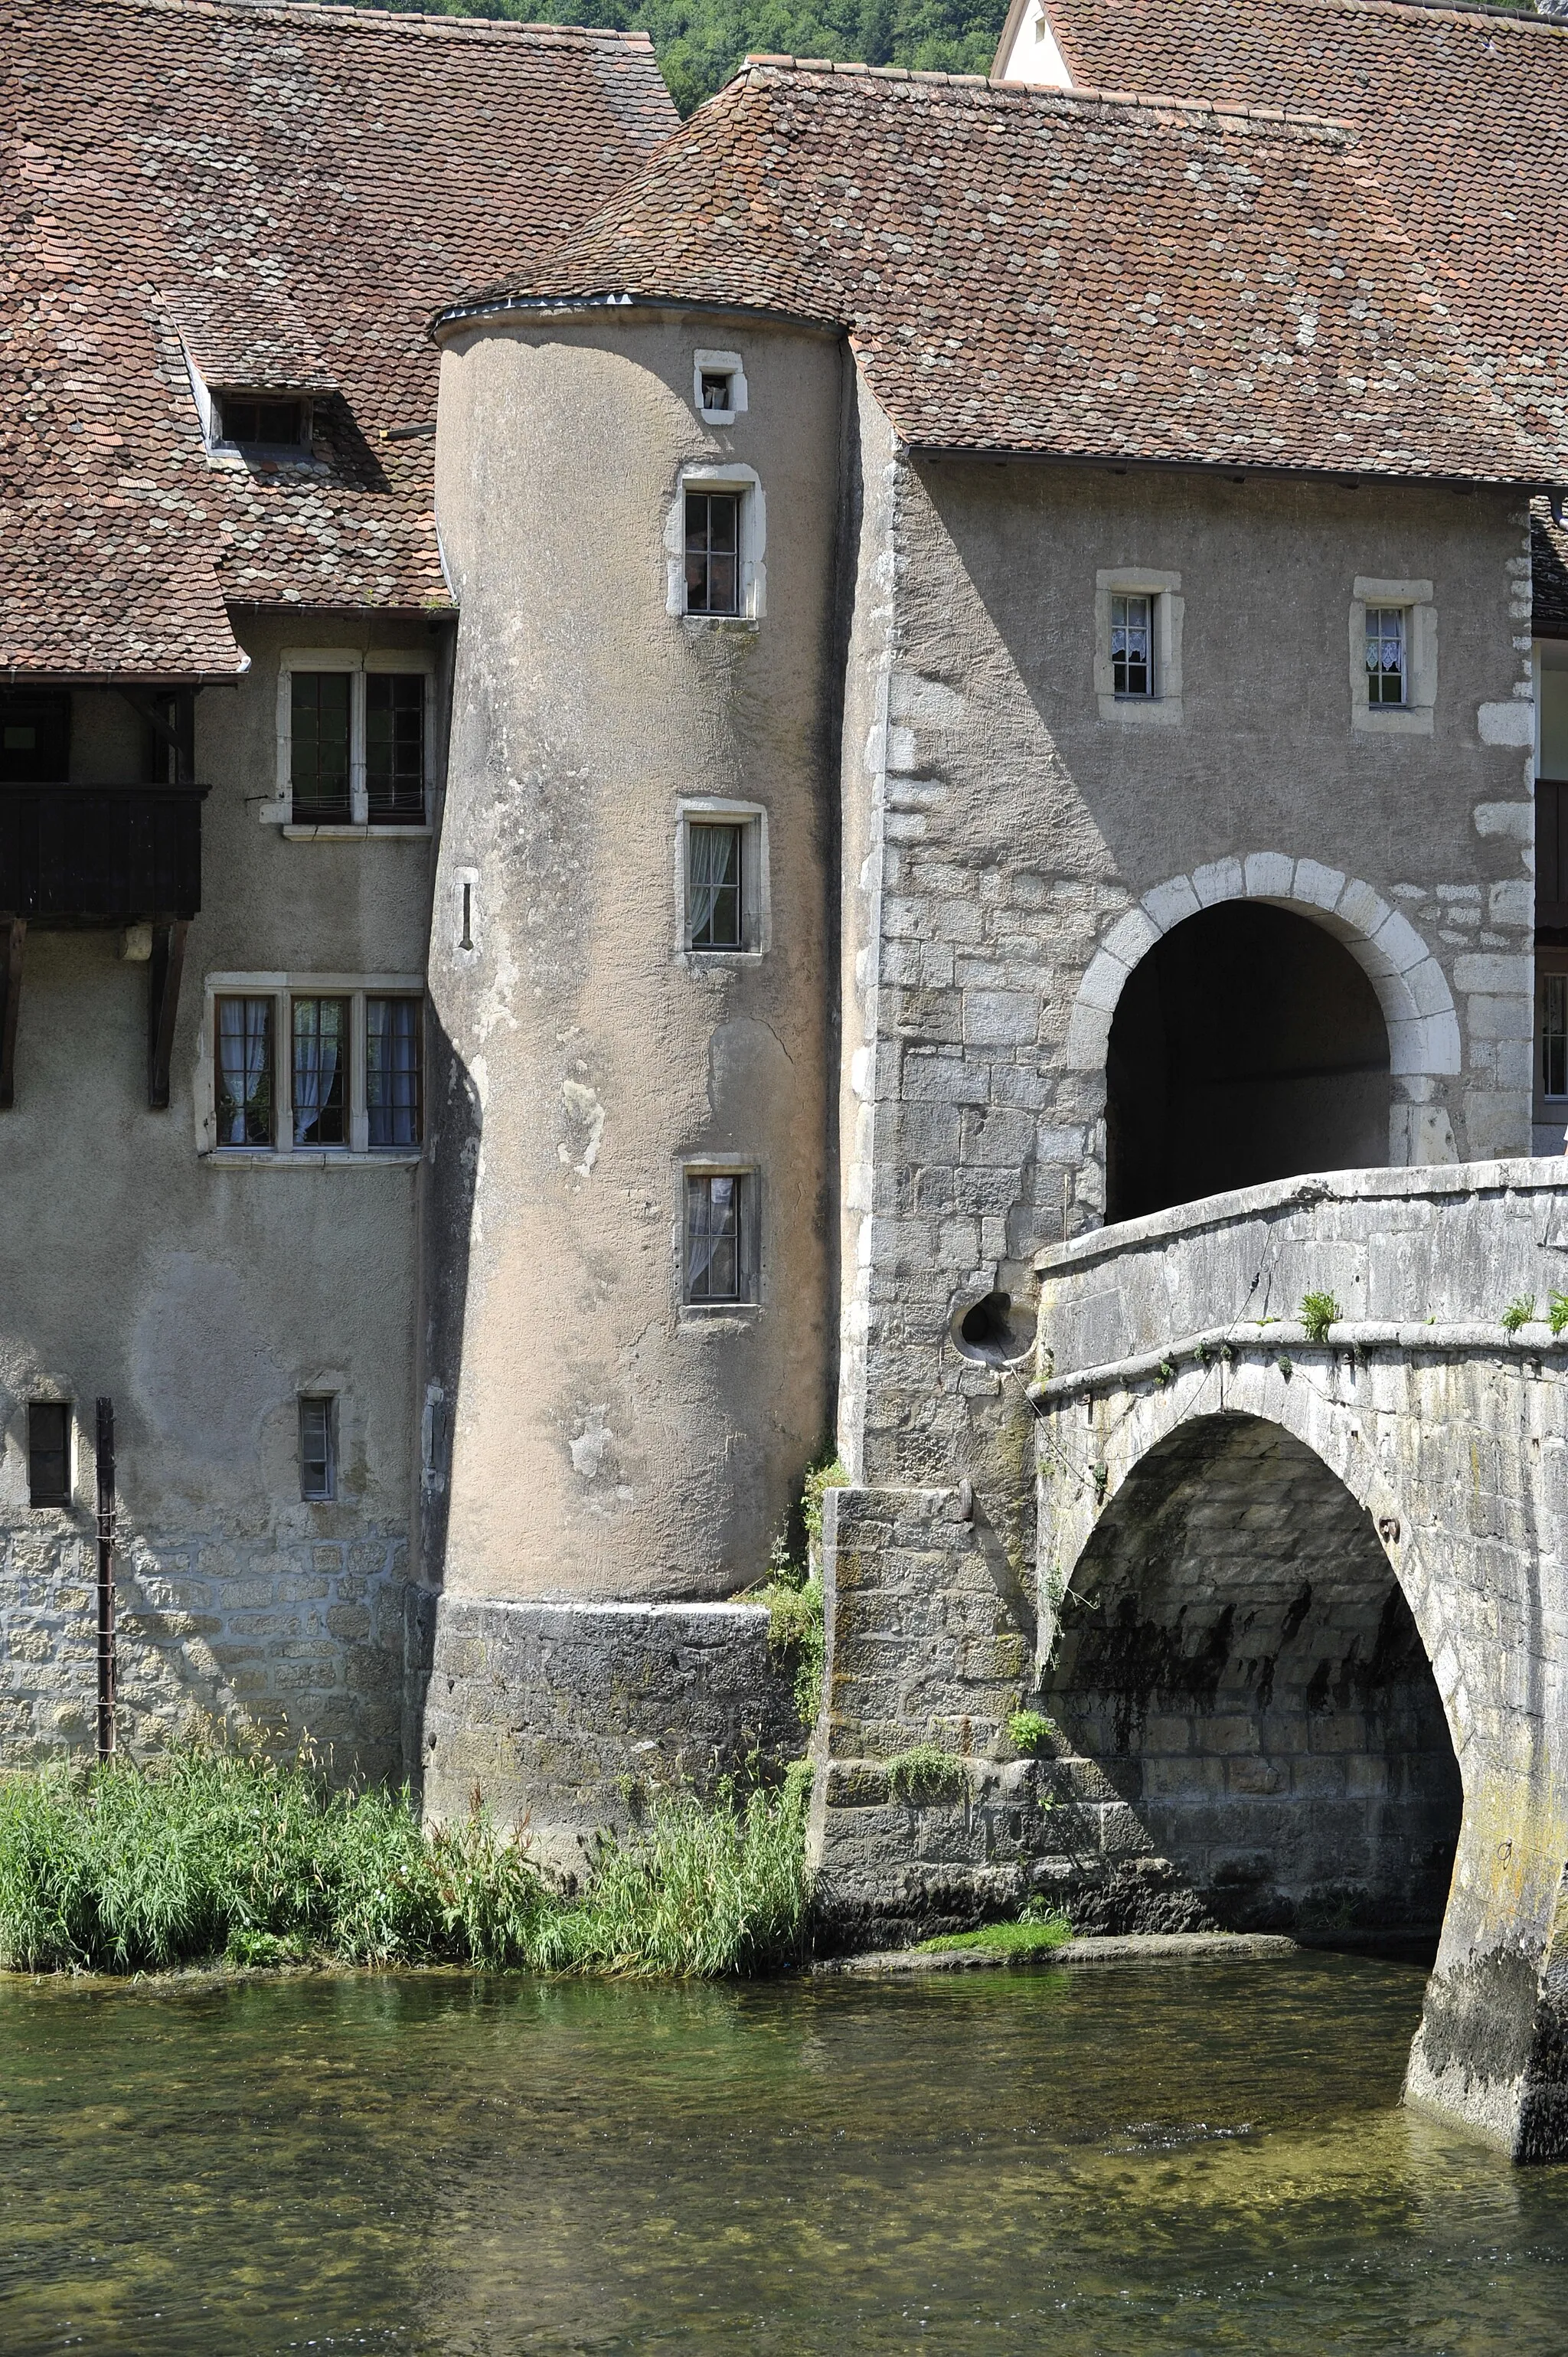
(207, 1854)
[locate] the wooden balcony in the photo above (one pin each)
(99, 856)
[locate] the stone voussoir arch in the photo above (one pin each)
(1336, 1434)
(1411, 986)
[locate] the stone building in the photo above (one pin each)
(1007, 634)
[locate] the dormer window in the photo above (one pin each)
(718, 387)
(260, 421)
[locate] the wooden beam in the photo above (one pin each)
(163, 1008)
(178, 737)
(10, 1003)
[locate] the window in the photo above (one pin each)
(35, 739)
(393, 1064)
(255, 420)
(355, 741)
(318, 1450)
(713, 552)
(718, 387)
(48, 1452)
(1132, 645)
(312, 1065)
(1138, 620)
(713, 893)
(322, 1072)
(1386, 664)
(320, 706)
(244, 1072)
(720, 1239)
(1553, 1027)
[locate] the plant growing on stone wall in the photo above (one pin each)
(1317, 1313)
(1519, 1312)
(926, 1772)
(793, 1590)
(1028, 1731)
(1557, 1311)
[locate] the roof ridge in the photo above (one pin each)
(413, 20)
(1087, 95)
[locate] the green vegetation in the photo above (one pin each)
(700, 43)
(925, 1772)
(1035, 1933)
(1317, 1313)
(1029, 1731)
(1557, 1311)
(793, 1593)
(209, 1855)
(1519, 1313)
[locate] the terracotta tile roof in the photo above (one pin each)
(293, 187)
(1548, 550)
(1071, 275)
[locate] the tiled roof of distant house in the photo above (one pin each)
(1076, 275)
(290, 190)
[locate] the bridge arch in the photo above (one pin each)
(1408, 981)
(1235, 1652)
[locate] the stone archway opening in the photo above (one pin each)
(1247, 1045)
(1239, 1662)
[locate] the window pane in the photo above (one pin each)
(49, 1453)
(264, 422)
(1131, 646)
(714, 885)
(320, 739)
(713, 541)
(715, 1259)
(1385, 654)
(244, 1072)
(318, 1472)
(394, 747)
(320, 1071)
(1554, 1035)
(393, 1071)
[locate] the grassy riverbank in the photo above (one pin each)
(209, 1855)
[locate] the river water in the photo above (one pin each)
(1203, 2158)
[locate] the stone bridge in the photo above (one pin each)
(1299, 1631)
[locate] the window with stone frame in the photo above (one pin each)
(1388, 657)
(720, 1241)
(716, 881)
(300, 1071)
(712, 547)
(355, 741)
(318, 1447)
(1133, 644)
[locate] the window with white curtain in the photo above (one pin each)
(722, 878)
(719, 1253)
(300, 1067)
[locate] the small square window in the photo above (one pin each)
(715, 389)
(1388, 669)
(394, 747)
(715, 859)
(713, 552)
(252, 420)
(320, 1071)
(318, 1446)
(244, 1072)
(48, 1452)
(392, 1071)
(720, 1252)
(1132, 645)
(321, 708)
(1554, 1035)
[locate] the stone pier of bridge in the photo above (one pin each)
(1295, 1641)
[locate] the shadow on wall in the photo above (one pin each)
(447, 1178)
(1237, 1658)
(1247, 1045)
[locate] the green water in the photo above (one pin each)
(1192, 2158)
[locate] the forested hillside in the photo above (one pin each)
(701, 42)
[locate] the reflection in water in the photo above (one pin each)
(1095, 2163)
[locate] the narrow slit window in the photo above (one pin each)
(715, 912)
(320, 1071)
(1131, 645)
(392, 1071)
(713, 552)
(394, 747)
(319, 741)
(318, 1451)
(1386, 669)
(244, 1072)
(1554, 1035)
(718, 1255)
(48, 1452)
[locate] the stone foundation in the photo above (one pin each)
(562, 1715)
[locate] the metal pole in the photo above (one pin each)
(106, 1578)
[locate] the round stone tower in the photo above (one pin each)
(631, 1206)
